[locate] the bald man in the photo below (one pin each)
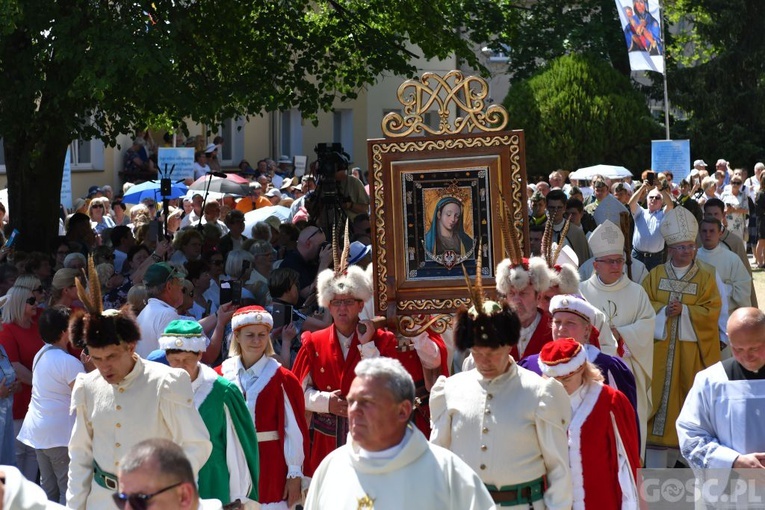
(733, 388)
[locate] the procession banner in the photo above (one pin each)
(178, 159)
(641, 23)
(673, 155)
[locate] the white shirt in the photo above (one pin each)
(48, 423)
(152, 322)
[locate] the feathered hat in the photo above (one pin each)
(516, 271)
(561, 260)
(344, 278)
(96, 327)
(486, 323)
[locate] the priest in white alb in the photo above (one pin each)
(628, 310)
(729, 268)
(721, 423)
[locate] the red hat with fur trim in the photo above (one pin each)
(561, 357)
(251, 316)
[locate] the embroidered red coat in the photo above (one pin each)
(321, 358)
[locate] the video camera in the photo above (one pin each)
(325, 204)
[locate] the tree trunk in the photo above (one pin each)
(35, 167)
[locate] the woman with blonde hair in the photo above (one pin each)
(604, 454)
(188, 246)
(97, 210)
(275, 399)
(21, 340)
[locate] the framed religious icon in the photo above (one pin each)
(440, 205)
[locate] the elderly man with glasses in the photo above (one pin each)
(684, 294)
(311, 256)
(647, 241)
(630, 315)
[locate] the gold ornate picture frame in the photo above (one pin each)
(438, 201)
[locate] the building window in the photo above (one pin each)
(84, 155)
(291, 134)
(87, 155)
(232, 152)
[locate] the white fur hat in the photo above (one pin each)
(251, 316)
(573, 304)
(533, 271)
(353, 281)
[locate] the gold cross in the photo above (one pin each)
(366, 502)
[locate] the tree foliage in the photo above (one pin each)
(84, 68)
(579, 112)
(540, 32)
(717, 76)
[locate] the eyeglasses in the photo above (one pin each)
(138, 501)
(555, 207)
(318, 230)
(39, 289)
(736, 183)
(343, 302)
(611, 262)
(683, 247)
(32, 301)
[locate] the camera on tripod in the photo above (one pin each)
(330, 160)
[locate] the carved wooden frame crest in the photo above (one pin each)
(470, 161)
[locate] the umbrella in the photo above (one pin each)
(252, 217)
(231, 184)
(608, 171)
(150, 189)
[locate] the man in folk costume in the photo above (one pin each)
(720, 426)
(684, 294)
(231, 472)
(572, 317)
(602, 440)
(123, 402)
(327, 358)
(562, 262)
(631, 318)
(274, 401)
(507, 423)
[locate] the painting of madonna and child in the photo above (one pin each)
(446, 217)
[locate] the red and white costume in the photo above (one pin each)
(275, 401)
(325, 363)
(602, 437)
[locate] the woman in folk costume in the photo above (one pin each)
(231, 472)
(275, 400)
(603, 441)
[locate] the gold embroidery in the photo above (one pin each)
(366, 502)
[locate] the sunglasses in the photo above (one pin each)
(736, 183)
(97, 206)
(138, 501)
(32, 301)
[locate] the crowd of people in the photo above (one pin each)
(254, 360)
